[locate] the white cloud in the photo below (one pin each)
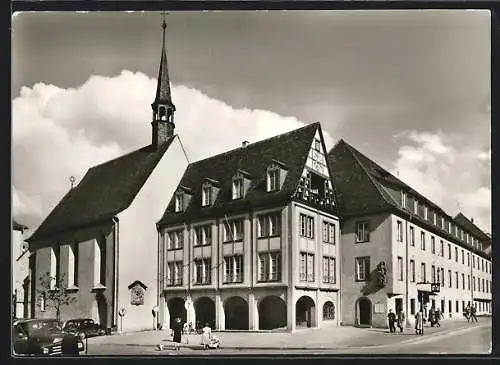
(446, 170)
(58, 133)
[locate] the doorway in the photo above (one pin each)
(399, 305)
(364, 312)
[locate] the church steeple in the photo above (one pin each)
(163, 107)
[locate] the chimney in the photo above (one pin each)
(472, 220)
(245, 143)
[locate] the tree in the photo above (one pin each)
(55, 292)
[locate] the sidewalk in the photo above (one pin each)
(327, 337)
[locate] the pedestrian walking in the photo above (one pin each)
(392, 320)
(432, 316)
(419, 323)
(206, 336)
(438, 315)
(401, 320)
(473, 313)
(177, 333)
(467, 312)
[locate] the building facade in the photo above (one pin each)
(250, 239)
(400, 251)
(100, 242)
(20, 272)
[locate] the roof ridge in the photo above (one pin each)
(372, 180)
(257, 142)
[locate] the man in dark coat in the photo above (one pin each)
(70, 345)
(177, 333)
(392, 320)
(473, 313)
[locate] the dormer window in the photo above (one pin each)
(426, 213)
(317, 145)
(273, 178)
(179, 202)
(415, 206)
(434, 218)
(403, 199)
(206, 195)
(237, 187)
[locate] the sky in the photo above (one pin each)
(409, 89)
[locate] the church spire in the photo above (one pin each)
(163, 107)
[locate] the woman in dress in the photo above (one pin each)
(177, 333)
(419, 323)
(206, 335)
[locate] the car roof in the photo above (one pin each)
(36, 320)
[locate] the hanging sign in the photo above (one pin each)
(121, 312)
(187, 304)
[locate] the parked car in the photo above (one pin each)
(43, 337)
(85, 326)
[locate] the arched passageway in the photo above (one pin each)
(305, 312)
(176, 309)
(272, 313)
(236, 313)
(204, 308)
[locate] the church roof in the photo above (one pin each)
(361, 190)
(163, 93)
(105, 190)
(290, 149)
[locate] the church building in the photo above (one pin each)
(100, 242)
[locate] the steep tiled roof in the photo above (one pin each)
(104, 191)
(360, 188)
(471, 227)
(291, 149)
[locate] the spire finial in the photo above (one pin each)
(164, 22)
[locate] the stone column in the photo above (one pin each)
(253, 312)
(318, 310)
(165, 314)
(290, 311)
(220, 319)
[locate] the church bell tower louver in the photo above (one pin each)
(163, 107)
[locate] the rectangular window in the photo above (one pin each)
(412, 271)
(233, 230)
(400, 268)
(237, 188)
(175, 240)
(203, 235)
(473, 262)
(362, 268)
(329, 232)
(233, 269)
(178, 203)
(306, 267)
(422, 240)
(403, 199)
(329, 270)
(423, 270)
(203, 269)
(54, 266)
(433, 274)
(174, 273)
(206, 195)
(457, 306)
(442, 248)
(456, 279)
(463, 257)
(438, 276)
(273, 179)
(433, 245)
(442, 277)
(415, 206)
(317, 145)
(482, 265)
(362, 232)
(468, 259)
(468, 282)
(463, 281)
(449, 279)
(269, 225)
(269, 266)
(306, 226)
(456, 254)
(412, 306)
(450, 308)
(426, 213)
(102, 249)
(449, 251)
(474, 283)
(412, 236)
(399, 231)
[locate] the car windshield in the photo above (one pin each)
(88, 322)
(41, 326)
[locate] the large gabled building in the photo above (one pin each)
(401, 251)
(250, 239)
(100, 241)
